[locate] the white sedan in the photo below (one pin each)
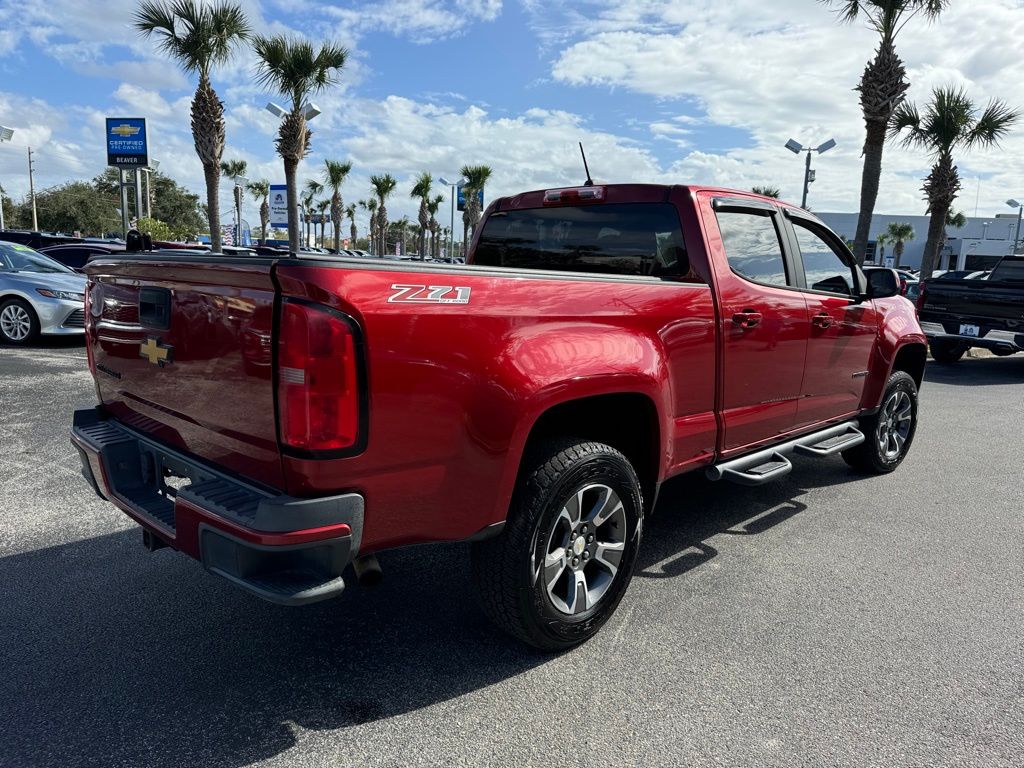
(38, 295)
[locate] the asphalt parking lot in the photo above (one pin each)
(826, 620)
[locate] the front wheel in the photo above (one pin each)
(889, 432)
(560, 567)
(18, 323)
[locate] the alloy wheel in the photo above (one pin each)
(584, 549)
(15, 322)
(894, 424)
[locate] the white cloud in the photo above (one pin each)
(784, 69)
(422, 21)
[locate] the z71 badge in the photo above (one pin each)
(429, 294)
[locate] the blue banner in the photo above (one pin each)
(126, 142)
(461, 199)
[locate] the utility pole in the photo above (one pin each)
(32, 192)
(124, 202)
(138, 195)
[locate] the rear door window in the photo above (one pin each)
(753, 247)
(640, 239)
(1008, 271)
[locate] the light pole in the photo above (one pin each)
(5, 135)
(309, 111)
(451, 235)
(1020, 210)
(796, 148)
(151, 168)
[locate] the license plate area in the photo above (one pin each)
(970, 330)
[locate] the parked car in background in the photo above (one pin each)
(75, 255)
(963, 274)
(38, 295)
(36, 240)
(986, 312)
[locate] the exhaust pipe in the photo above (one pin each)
(151, 542)
(367, 569)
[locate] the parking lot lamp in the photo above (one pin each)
(809, 176)
(1020, 209)
(5, 135)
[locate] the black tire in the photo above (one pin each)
(33, 320)
(508, 570)
(947, 352)
(876, 455)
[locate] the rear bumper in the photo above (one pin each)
(1005, 342)
(283, 549)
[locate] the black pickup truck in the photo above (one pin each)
(957, 315)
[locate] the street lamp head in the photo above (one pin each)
(6, 133)
(445, 181)
(826, 146)
(794, 146)
(310, 110)
(276, 109)
(155, 165)
(1013, 203)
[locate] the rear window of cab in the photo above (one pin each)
(637, 239)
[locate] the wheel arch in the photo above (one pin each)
(627, 421)
(911, 358)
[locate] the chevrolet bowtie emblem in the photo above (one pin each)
(155, 352)
(124, 130)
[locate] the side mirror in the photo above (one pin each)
(883, 283)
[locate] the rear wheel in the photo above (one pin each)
(18, 323)
(947, 352)
(890, 432)
(560, 567)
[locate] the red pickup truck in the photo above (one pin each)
(279, 419)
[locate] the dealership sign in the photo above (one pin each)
(279, 206)
(461, 198)
(126, 142)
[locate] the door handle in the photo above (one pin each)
(822, 320)
(748, 318)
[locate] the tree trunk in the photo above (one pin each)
(354, 232)
(940, 190)
(898, 251)
(337, 218)
(874, 144)
(883, 87)
(294, 223)
(264, 219)
(212, 174)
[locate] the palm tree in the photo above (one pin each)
(350, 211)
(371, 207)
(898, 234)
(476, 177)
(321, 207)
(435, 242)
(311, 192)
(294, 68)
(260, 189)
(200, 37)
(767, 191)
(949, 123)
(234, 170)
(383, 186)
(421, 190)
(883, 87)
(334, 176)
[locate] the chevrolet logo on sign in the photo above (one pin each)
(155, 352)
(125, 130)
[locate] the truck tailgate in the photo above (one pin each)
(954, 300)
(181, 350)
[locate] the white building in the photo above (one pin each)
(978, 245)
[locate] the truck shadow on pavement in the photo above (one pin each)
(111, 655)
(977, 371)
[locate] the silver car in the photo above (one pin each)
(38, 295)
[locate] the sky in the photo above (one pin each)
(668, 91)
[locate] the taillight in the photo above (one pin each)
(920, 297)
(903, 286)
(317, 379)
(87, 323)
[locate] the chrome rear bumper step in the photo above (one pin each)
(772, 463)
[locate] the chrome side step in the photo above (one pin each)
(772, 463)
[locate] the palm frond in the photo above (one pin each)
(292, 66)
(995, 122)
(335, 173)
